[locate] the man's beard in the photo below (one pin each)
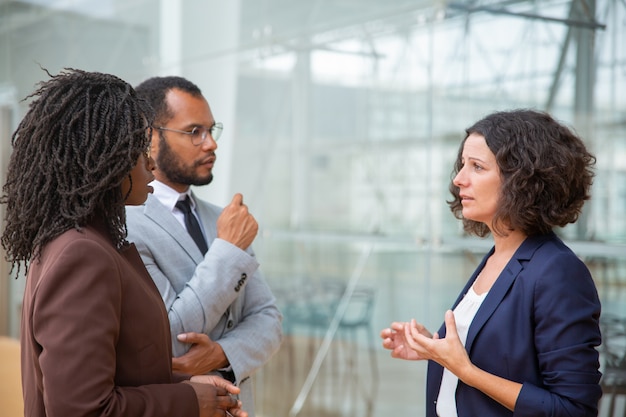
(170, 164)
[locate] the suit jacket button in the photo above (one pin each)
(229, 324)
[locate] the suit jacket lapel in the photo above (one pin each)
(158, 213)
(497, 292)
(207, 218)
(502, 285)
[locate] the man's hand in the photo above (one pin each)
(217, 381)
(236, 225)
(204, 355)
(215, 396)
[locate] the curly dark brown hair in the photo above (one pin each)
(80, 138)
(546, 171)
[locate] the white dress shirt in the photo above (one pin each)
(169, 197)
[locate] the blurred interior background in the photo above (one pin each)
(342, 120)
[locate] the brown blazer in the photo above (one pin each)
(95, 335)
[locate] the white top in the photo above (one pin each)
(463, 315)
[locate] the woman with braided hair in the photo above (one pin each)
(94, 335)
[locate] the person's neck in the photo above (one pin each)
(507, 245)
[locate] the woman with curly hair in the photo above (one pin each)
(95, 335)
(521, 337)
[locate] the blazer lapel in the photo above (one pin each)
(502, 285)
(497, 292)
(159, 214)
(208, 218)
(134, 260)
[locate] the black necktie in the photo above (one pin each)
(193, 227)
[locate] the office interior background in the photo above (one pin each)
(342, 120)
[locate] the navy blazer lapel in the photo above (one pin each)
(502, 285)
(497, 292)
(157, 212)
(468, 285)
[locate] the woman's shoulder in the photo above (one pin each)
(554, 264)
(78, 255)
(548, 246)
(560, 251)
(79, 241)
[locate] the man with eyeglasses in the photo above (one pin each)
(223, 316)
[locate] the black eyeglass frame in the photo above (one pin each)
(198, 132)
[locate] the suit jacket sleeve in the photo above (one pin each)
(258, 332)
(566, 312)
(202, 302)
(223, 294)
(205, 303)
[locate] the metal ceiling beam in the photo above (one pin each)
(588, 24)
(556, 80)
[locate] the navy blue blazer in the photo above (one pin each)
(539, 326)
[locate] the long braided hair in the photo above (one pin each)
(80, 138)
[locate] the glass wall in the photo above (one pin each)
(342, 120)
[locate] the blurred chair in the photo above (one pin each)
(358, 317)
(312, 308)
(11, 402)
(308, 310)
(613, 357)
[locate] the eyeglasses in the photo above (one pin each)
(199, 133)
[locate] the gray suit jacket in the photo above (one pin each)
(221, 294)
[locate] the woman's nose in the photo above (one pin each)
(458, 178)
